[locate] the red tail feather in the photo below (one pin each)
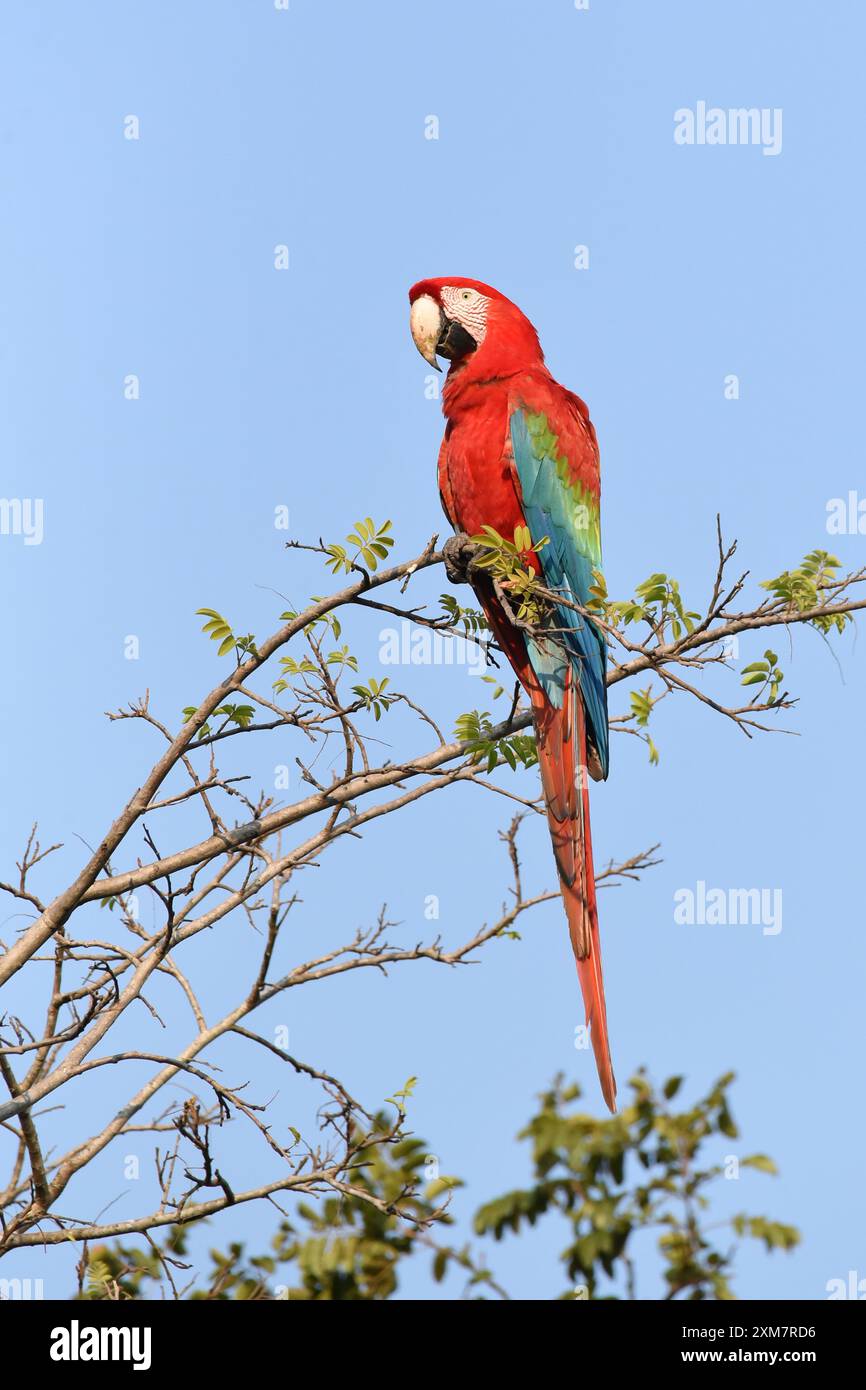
(561, 735)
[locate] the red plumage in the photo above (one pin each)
(479, 487)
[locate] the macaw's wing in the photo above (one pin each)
(555, 460)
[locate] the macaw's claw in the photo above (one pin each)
(459, 552)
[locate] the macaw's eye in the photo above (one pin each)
(467, 294)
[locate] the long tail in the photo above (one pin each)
(562, 756)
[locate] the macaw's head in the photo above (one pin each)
(476, 328)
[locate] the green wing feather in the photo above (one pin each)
(558, 505)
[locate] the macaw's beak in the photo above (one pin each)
(433, 333)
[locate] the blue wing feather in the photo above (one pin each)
(567, 562)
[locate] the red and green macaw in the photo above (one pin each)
(520, 451)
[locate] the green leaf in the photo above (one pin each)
(761, 1162)
(370, 543)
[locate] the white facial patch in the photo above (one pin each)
(468, 308)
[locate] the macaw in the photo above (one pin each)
(520, 451)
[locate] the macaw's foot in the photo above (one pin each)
(459, 552)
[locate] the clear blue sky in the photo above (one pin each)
(260, 388)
